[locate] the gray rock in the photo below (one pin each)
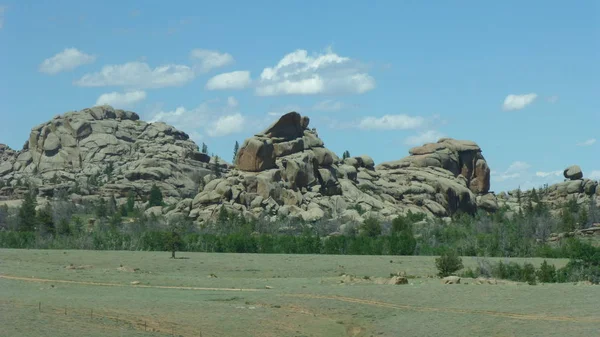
(573, 172)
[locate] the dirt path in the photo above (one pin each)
(41, 280)
(510, 315)
(531, 317)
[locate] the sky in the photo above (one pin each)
(520, 78)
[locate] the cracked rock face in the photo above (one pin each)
(112, 146)
(286, 170)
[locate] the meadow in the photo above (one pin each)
(68, 293)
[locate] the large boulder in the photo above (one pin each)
(573, 172)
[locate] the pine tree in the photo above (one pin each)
(156, 197)
(101, 209)
(346, 154)
(44, 218)
(216, 170)
(27, 219)
(130, 202)
(204, 148)
(236, 148)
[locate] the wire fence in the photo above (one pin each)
(108, 319)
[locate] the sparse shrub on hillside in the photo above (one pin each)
(448, 264)
(371, 227)
(156, 197)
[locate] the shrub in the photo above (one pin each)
(371, 227)
(156, 197)
(448, 263)
(546, 273)
(528, 274)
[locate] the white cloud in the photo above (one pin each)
(297, 73)
(233, 80)
(518, 102)
(430, 136)
(595, 175)
(2, 11)
(226, 125)
(120, 100)
(391, 122)
(214, 117)
(68, 59)
(542, 174)
(518, 166)
(329, 105)
(588, 142)
(210, 59)
(515, 170)
(138, 75)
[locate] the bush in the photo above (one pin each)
(546, 273)
(156, 197)
(448, 263)
(371, 227)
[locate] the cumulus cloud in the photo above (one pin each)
(518, 102)
(121, 100)
(430, 136)
(215, 118)
(392, 122)
(207, 60)
(68, 59)
(234, 80)
(588, 142)
(139, 75)
(226, 125)
(298, 73)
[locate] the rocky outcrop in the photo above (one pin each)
(287, 171)
(575, 187)
(283, 172)
(106, 151)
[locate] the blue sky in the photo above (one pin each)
(520, 78)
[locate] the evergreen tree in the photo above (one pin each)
(156, 197)
(204, 148)
(101, 209)
(371, 227)
(236, 148)
(346, 154)
(583, 219)
(27, 219)
(130, 202)
(63, 227)
(111, 207)
(45, 220)
(402, 239)
(216, 170)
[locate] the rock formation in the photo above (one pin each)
(286, 171)
(283, 172)
(575, 187)
(109, 148)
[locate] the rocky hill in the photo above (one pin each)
(103, 151)
(574, 187)
(287, 171)
(284, 171)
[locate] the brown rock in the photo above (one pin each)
(255, 155)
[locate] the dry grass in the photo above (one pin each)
(282, 295)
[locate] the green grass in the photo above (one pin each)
(306, 299)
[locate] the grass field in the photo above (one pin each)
(272, 295)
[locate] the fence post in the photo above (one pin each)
(144, 325)
(91, 313)
(65, 311)
(40, 306)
